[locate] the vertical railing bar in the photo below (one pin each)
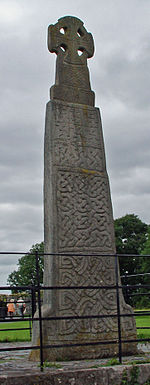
(32, 299)
(39, 308)
(126, 287)
(30, 315)
(30, 326)
(118, 309)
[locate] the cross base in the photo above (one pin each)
(72, 94)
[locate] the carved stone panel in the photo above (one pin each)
(83, 212)
(76, 123)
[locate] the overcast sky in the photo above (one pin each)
(120, 77)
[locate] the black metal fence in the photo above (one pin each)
(36, 301)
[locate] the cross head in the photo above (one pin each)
(69, 39)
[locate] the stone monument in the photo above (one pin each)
(77, 210)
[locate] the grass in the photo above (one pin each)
(14, 335)
(24, 335)
(48, 364)
(111, 362)
(143, 321)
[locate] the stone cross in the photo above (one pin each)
(78, 220)
(73, 45)
(68, 37)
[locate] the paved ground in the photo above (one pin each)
(17, 361)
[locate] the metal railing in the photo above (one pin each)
(35, 293)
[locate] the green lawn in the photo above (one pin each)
(143, 321)
(24, 335)
(14, 335)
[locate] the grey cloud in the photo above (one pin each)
(124, 78)
(129, 79)
(133, 206)
(20, 227)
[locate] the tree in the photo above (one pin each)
(131, 235)
(144, 300)
(145, 261)
(25, 275)
(146, 249)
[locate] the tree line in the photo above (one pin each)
(132, 238)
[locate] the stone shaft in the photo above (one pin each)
(78, 220)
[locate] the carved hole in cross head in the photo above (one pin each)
(63, 30)
(80, 51)
(80, 32)
(63, 47)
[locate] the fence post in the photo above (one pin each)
(30, 315)
(39, 309)
(33, 307)
(118, 308)
(33, 296)
(126, 288)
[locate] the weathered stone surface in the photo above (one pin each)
(73, 45)
(78, 219)
(99, 376)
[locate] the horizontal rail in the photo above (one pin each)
(72, 254)
(54, 346)
(77, 317)
(36, 288)
(10, 330)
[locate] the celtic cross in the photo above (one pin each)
(73, 45)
